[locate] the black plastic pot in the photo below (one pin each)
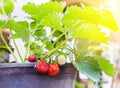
(23, 75)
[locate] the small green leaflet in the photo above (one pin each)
(89, 31)
(89, 67)
(38, 31)
(7, 6)
(31, 8)
(21, 29)
(53, 21)
(49, 45)
(1, 23)
(105, 65)
(38, 12)
(35, 49)
(14, 36)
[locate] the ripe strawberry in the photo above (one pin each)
(32, 58)
(53, 69)
(42, 67)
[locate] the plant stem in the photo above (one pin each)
(70, 49)
(4, 24)
(55, 49)
(27, 51)
(101, 80)
(29, 42)
(91, 84)
(4, 41)
(48, 38)
(58, 38)
(3, 11)
(2, 8)
(17, 48)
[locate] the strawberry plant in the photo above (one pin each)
(54, 33)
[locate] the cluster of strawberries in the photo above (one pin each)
(43, 67)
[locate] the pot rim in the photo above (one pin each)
(14, 65)
(27, 64)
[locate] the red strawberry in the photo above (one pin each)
(42, 67)
(32, 58)
(53, 69)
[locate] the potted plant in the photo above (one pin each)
(55, 35)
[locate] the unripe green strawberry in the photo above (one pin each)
(42, 67)
(53, 69)
(32, 58)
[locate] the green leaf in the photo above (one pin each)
(79, 85)
(105, 65)
(49, 45)
(40, 33)
(32, 45)
(33, 25)
(89, 31)
(35, 48)
(13, 36)
(38, 51)
(57, 33)
(1, 23)
(81, 46)
(2, 52)
(89, 14)
(7, 6)
(38, 12)
(31, 8)
(21, 29)
(89, 67)
(75, 13)
(108, 20)
(3, 47)
(53, 21)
